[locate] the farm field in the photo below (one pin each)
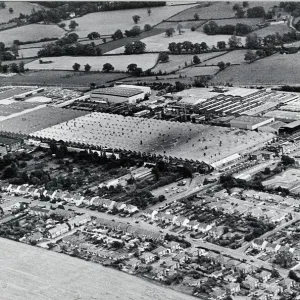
(272, 29)
(18, 7)
(264, 71)
(8, 107)
(177, 62)
(155, 136)
(234, 57)
(14, 91)
(107, 22)
(33, 32)
(195, 71)
(29, 52)
(161, 42)
(38, 119)
(288, 179)
(61, 78)
(119, 62)
(24, 277)
(185, 25)
(236, 21)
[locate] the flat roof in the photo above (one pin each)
(251, 119)
(275, 125)
(292, 124)
(117, 91)
(281, 114)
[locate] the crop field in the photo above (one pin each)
(195, 71)
(119, 62)
(64, 78)
(33, 32)
(24, 278)
(161, 42)
(155, 136)
(107, 22)
(8, 108)
(275, 69)
(29, 52)
(288, 179)
(234, 57)
(18, 7)
(177, 62)
(14, 91)
(185, 25)
(272, 29)
(38, 119)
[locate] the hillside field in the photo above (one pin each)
(234, 57)
(119, 62)
(199, 71)
(272, 29)
(107, 22)
(29, 52)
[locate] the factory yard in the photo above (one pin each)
(205, 143)
(289, 179)
(31, 273)
(120, 62)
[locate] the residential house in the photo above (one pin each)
(66, 214)
(120, 206)
(68, 197)
(232, 288)
(79, 220)
(38, 211)
(170, 265)
(213, 256)
(259, 244)
(245, 268)
(192, 252)
(217, 232)
(181, 257)
(232, 264)
(250, 282)
(286, 283)
(23, 190)
(161, 251)
(218, 294)
(59, 195)
(173, 246)
(107, 203)
(78, 199)
(87, 200)
(58, 230)
(150, 213)
(181, 221)
(192, 225)
(296, 254)
(264, 276)
(148, 257)
(131, 208)
(274, 290)
(270, 247)
(133, 262)
(204, 227)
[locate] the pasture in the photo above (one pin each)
(119, 62)
(160, 42)
(177, 62)
(235, 21)
(207, 143)
(185, 25)
(288, 179)
(41, 118)
(272, 29)
(107, 22)
(33, 32)
(275, 69)
(234, 57)
(195, 71)
(29, 52)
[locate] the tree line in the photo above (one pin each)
(239, 29)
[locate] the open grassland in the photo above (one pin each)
(119, 62)
(177, 62)
(207, 143)
(38, 119)
(14, 107)
(33, 32)
(29, 52)
(18, 7)
(195, 71)
(272, 29)
(234, 57)
(275, 69)
(265, 4)
(107, 22)
(62, 78)
(185, 25)
(161, 42)
(288, 179)
(31, 273)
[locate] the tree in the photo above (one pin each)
(137, 47)
(137, 72)
(256, 12)
(87, 68)
(275, 273)
(221, 45)
(240, 13)
(104, 40)
(149, 11)
(236, 7)
(196, 16)
(196, 60)
(234, 42)
(131, 68)
(11, 10)
(203, 46)
(169, 32)
(21, 67)
(294, 276)
(284, 259)
(179, 28)
(93, 35)
(211, 28)
(2, 4)
(76, 67)
(253, 41)
(136, 18)
(245, 4)
(118, 34)
(2, 46)
(163, 57)
(14, 68)
(62, 25)
(147, 27)
(73, 24)
(107, 68)
(286, 160)
(221, 65)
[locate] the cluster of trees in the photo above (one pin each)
(94, 35)
(137, 47)
(212, 28)
(14, 68)
(134, 70)
(291, 7)
(76, 67)
(256, 12)
(188, 46)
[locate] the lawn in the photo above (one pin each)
(18, 7)
(234, 57)
(288, 179)
(275, 69)
(161, 42)
(107, 22)
(34, 32)
(62, 78)
(177, 62)
(119, 62)
(272, 29)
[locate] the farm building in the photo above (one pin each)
(290, 128)
(272, 127)
(145, 89)
(117, 95)
(251, 123)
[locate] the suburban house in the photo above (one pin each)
(181, 221)
(232, 288)
(38, 211)
(287, 283)
(68, 197)
(120, 206)
(130, 208)
(148, 257)
(161, 251)
(133, 262)
(259, 244)
(245, 268)
(78, 199)
(274, 290)
(150, 213)
(192, 225)
(173, 246)
(204, 227)
(264, 276)
(66, 214)
(58, 230)
(170, 265)
(250, 283)
(270, 247)
(217, 232)
(181, 257)
(79, 220)
(218, 294)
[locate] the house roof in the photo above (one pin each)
(159, 249)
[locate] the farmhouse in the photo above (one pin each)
(251, 123)
(115, 95)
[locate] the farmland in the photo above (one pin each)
(154, 136)
(120, 62)
(234, 57)
(161, 42)
(264, 71)
(24, 277)
(29, 52)
(272, 29)
(38, 119)
(199, 71)
(34, 32)
(178, 61)
(288, 179)
(185, 25)
(236, 21)
(106, 23)
(11, 107)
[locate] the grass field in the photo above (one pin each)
(30, 52)
(236, 21)
(32, 32)
(272, 29)
(106, 23)
(32, 273)
(18, 7)
(199, 71)
(234, 57)
(61, 78)
(275, 69)
(14, 107)
(160, 42)
(38, 119)
(186, 25)
(155, 136)
(177, 62)
(288, 179)
(119, 62)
